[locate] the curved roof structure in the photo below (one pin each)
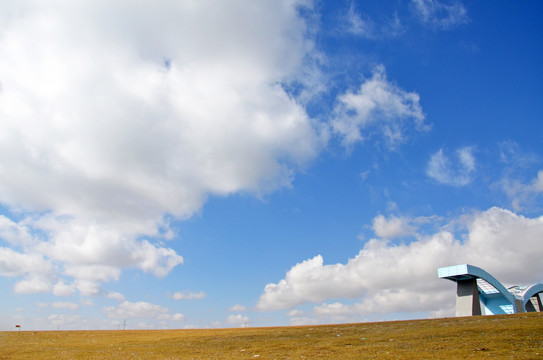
(479, 293)
(526, 293)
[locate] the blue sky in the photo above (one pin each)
(259, 163)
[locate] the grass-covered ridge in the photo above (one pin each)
(518, 336)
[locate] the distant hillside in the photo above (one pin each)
(504, 336)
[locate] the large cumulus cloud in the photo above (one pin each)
(118, 117)
(392, 277)
(114, 114)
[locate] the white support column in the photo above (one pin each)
(467, 298)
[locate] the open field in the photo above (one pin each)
(517, 336)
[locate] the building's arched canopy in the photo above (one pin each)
(478, 292)
(489, 285)
(525, 294)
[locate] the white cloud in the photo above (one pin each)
(115, 114)
(301, 321)
(514, 157)
(237, 320)
(189, 295)
(88, 287)
(389, 301)
(537, 184)
(144, 325)
(518, 180)
(65, 305)
(238, 308)
(13, 232)
(439, 14)
(178, 317)
(33, 285)
(403, 277)
(140, 309)
(86, 302)
(163, 317)
(115, 295)
(295, 313)
(109, 143)
(358, 24)
(90, 252)
(62, 289)
(13, 263)
(337, 309)
(445, 171)
(378, 107)
(308, 281)
(522, 194)
(58, 305)
(59, 320)
(392, 227)
(93, 272)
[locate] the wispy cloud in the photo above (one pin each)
(65, 305)
(514, 157)
(520, 180)
(59, 305)
(358, 24)
(457, 173)
(238, 308)
(189, 295)
(523, 194)
(440, 14)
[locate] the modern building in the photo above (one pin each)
(479, 293)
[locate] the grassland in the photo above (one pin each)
(518, 336)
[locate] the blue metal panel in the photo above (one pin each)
(497, 305)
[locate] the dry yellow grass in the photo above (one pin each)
(517, 336)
